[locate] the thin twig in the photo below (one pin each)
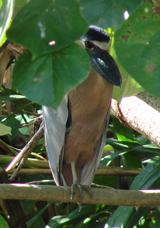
(30, 163)
(36, 120)
(101, 171)
(22, 156)
(117, 171)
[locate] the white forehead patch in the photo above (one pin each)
(80, 43)
(102, 45)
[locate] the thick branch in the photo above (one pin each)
(139, 115)
(62, 194)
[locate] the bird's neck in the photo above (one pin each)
(92, 92)
(95, 85)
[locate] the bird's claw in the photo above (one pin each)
(80, 187)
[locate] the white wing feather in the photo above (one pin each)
(54, 131)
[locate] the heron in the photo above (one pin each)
(75, 133)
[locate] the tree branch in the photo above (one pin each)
(101, 171)
(62, 194)
(140, 115)
(117, 171)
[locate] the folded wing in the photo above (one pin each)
(54, 131)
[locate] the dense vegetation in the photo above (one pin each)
(34, 71)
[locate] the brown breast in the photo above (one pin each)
(89, 103)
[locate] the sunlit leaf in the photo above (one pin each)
(75, 216)
(6, 11)
(4, 130)
(11, 97)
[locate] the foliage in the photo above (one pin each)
(52, 65)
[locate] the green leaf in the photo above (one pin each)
(37, 218)
(105, 181)
(18, 5)
(123, 145)
(11, 97)
(107, 13)
(3, 222)
(129, 86)
(96, 219)
(4, 130)
(40, 22)
(126, 217)
(75, 216)
(123, 133)
(157, 217)
(149, 150)
(106, 160)
(138, 49)
(131, 161)
(148, 177)
(6, 11)
(14, 124)
(47, 78)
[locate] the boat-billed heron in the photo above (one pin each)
(75, 133)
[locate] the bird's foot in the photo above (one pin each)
(80, 187)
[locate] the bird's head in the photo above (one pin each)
(97, 42)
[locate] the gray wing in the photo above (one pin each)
(90, 167)
(54, 131)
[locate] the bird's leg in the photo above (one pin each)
(76, 184)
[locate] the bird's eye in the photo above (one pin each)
(89, 45)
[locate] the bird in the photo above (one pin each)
(75, 133)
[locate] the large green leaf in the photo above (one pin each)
(129, 86)
(46, 79)
(138, 48)
(18, 5)
(40, 22)
(107, 13)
